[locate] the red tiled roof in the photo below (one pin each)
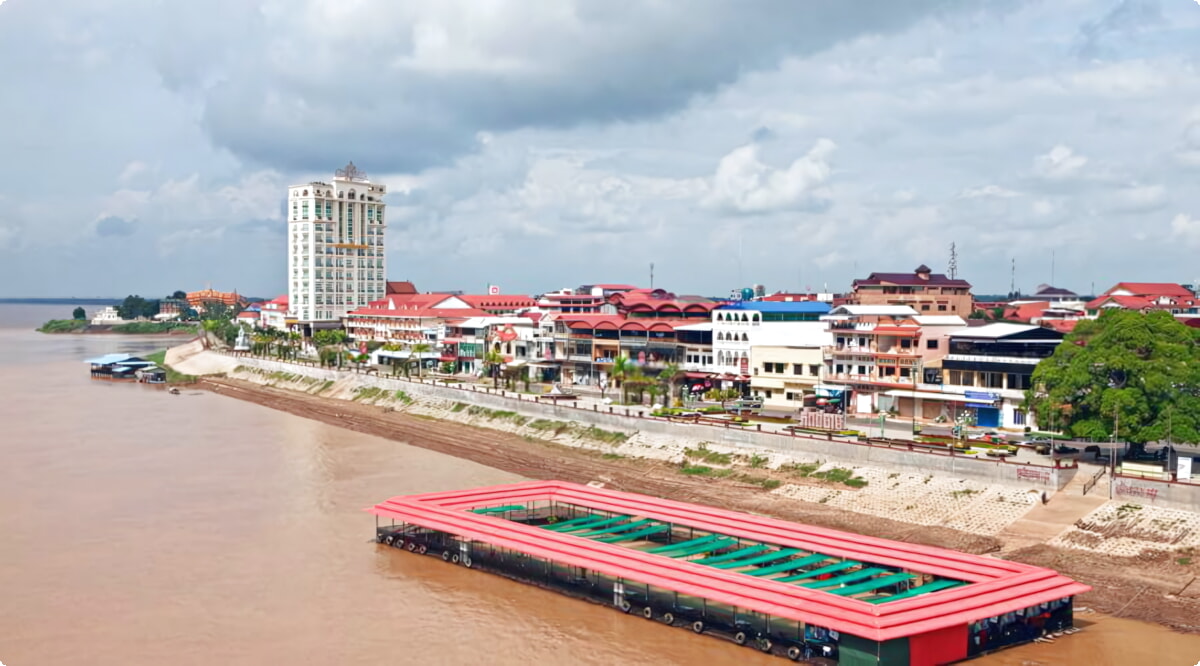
(912, 279)
(1060, 325)
(1127, 302)
(418, 313)
(611, 287)
(404, 287)
(279, 300)
(1152, 289)
(613, 322)
(497, 301)
(1026, 311)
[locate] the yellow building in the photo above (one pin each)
(786, 364)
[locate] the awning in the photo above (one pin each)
(698, 375)
(930, 395)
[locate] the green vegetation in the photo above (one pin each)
(458, 407)
(702, 453)
(965, 492)
(154, 327)
(79, 313)
(403, 397)
(173, 377)
(801, 469)
(496, 414)
(1184, 561)
(598, 434)
(1127, 510)
(367, 393)
(612, 456)
(764, 482)
(1133, 373)
(833, 475)
(325, 386)
(758, 461)
(63, 326)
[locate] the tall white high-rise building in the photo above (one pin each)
(335, 247)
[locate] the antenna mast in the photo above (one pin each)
(1012, 285)
(953, 268)
(652, 275)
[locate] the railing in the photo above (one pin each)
(1091, 483)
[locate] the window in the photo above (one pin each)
(862, 369)
(797, 369)
(906, 343)
(941, 307)
(767, 394)
(924, 307)
(794, 396)
(814, 370)
(931, 344)
(1018, 417)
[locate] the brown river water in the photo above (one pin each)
(139, 527)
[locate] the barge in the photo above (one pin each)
(807, 593)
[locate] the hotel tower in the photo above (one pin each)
(335, 248)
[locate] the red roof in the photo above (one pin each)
(912, 279)
(1060, 325)
(485, 301)
(417, 312)
(995, 586)
(1152, 289)
(614, 287)
(612, 322)
(1026, 311)
(401, 288)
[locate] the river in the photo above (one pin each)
(139, 527)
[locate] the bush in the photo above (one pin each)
(63, 326)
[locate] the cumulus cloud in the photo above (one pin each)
(1127, 19)
(1061, 162)
(1139, 198)
(1186, 229)
(409, 85)
(744, 184)
(988, 191)
(114, 226)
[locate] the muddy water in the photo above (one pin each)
(137, 527)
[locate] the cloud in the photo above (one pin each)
(1139, 198)
(1127, 19)
(744, 184)
(1186, 228)
(110, 226)
(1061, 162)
(404, 86)
(988, 191)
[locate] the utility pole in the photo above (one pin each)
(652, 276)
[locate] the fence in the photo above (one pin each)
(1091, 483)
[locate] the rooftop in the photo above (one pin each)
(874, 311)
(965, 587)
(807, 307)
(922, 276)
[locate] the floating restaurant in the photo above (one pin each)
(809, 593)
(122, 367)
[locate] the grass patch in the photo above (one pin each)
(612, 456)
(458, 407)
(403, 397)
(696, 470)
(758, 461)
(63, 326)
(702, 454)
(601, 435)
(1183, 561)
(802, 469)
(325, 386)
(965, 492)
(764, 482)
(546, 424)
(159, 358)
(367, 393)
(841, 475)
(1127, 510)
(153, 327)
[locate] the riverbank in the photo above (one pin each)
(1152, 586)
(83, 326)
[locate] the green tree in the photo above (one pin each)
(669, 375)
(330, 337)
(178, 295)
(492, 360)
(1130, 373)
(79, 314)
(622, 367)
(415, 353)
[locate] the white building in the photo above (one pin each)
(335, 247)
(735, 326)
(107, 317)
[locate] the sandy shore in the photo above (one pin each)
(1156, 585)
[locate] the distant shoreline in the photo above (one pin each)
(70, 327)
(60, 301)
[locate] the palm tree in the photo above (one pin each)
(670, 373)
(493, 360)
(622, 367)
(415, 352)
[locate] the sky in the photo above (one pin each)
(146, 146)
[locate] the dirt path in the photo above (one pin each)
(1046, 521)
(1153, 584)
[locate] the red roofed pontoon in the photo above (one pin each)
(782, 587)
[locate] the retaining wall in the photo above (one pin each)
(1166, 494)
(837, 450)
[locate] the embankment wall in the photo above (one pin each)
(841, 451)
(1166, 494)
